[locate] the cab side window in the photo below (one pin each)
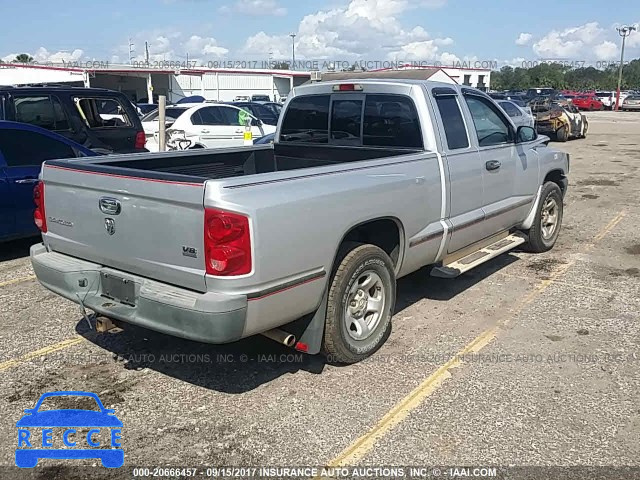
(491, 126)
(454, 127)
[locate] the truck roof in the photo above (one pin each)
(328, 85)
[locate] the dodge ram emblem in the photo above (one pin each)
(110, 225)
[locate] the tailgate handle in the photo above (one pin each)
(110, 206)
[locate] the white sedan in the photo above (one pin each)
(203, 125)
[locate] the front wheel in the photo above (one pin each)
(361, 301)
(544, 232)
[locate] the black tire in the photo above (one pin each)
(562, 135)
(355, 262)
(537, 242)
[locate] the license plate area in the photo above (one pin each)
(118, 289)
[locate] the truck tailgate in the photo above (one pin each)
(149, 227)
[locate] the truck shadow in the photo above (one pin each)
(245, 365)
(15, 249)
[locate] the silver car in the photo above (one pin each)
(632, 102)
(520, 116)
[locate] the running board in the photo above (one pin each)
(480, 256)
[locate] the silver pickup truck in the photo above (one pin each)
(302, 240)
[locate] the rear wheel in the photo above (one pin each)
(544, 232)
(562, 135)
(361, 302)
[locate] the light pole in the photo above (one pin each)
(293, 50)
(624, 32)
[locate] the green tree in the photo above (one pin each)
(281, 66)
(23, 58)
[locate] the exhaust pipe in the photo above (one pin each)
(280, 336)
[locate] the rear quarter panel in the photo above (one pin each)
(298, 224)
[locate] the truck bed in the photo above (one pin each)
(201, 165)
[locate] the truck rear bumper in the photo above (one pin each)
(206, 317)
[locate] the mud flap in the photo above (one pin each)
(309, 330)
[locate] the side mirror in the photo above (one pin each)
(256, 122)
(525, 134)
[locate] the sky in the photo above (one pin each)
(461, 32)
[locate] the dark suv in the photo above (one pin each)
(102, 120)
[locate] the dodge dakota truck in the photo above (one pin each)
(301, 240)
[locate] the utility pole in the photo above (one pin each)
(624, 32)
(146, 52)
(293, 50)
(131, 45)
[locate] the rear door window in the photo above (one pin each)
(22, 148)
(103, 112)
(208, 116)
(511, 109)
(306, 120)
(391, 121)
(44, 111)
(454, 127)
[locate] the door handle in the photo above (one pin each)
(27, 180)
(239, 131)
(204, 131)
(493, 165)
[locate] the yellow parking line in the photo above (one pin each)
(612, 224)
(70, 342)
(401, 410)
(363, 445)
(17, 280)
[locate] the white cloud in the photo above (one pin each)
(572, 43)
(606, 51)
(524, 39)
(361, 29)
(205, 46)
(255, 7)
(42, 55)
(172, 46)
(633, 40)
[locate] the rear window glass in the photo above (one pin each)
(346, 122)
(43, 111)
(169, 113)
(103, 112)
(511, 109)
(307, 120)
(454, 127)
(391, 121)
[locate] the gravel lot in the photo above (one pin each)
(550, 373)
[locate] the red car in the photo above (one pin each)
(584, 102)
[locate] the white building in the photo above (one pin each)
(477, 78)
(139, 84)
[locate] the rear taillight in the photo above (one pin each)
(141, 139)
(227, 243)
(39, 216)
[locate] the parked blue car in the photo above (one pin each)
(23, 148)
(41, 431)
